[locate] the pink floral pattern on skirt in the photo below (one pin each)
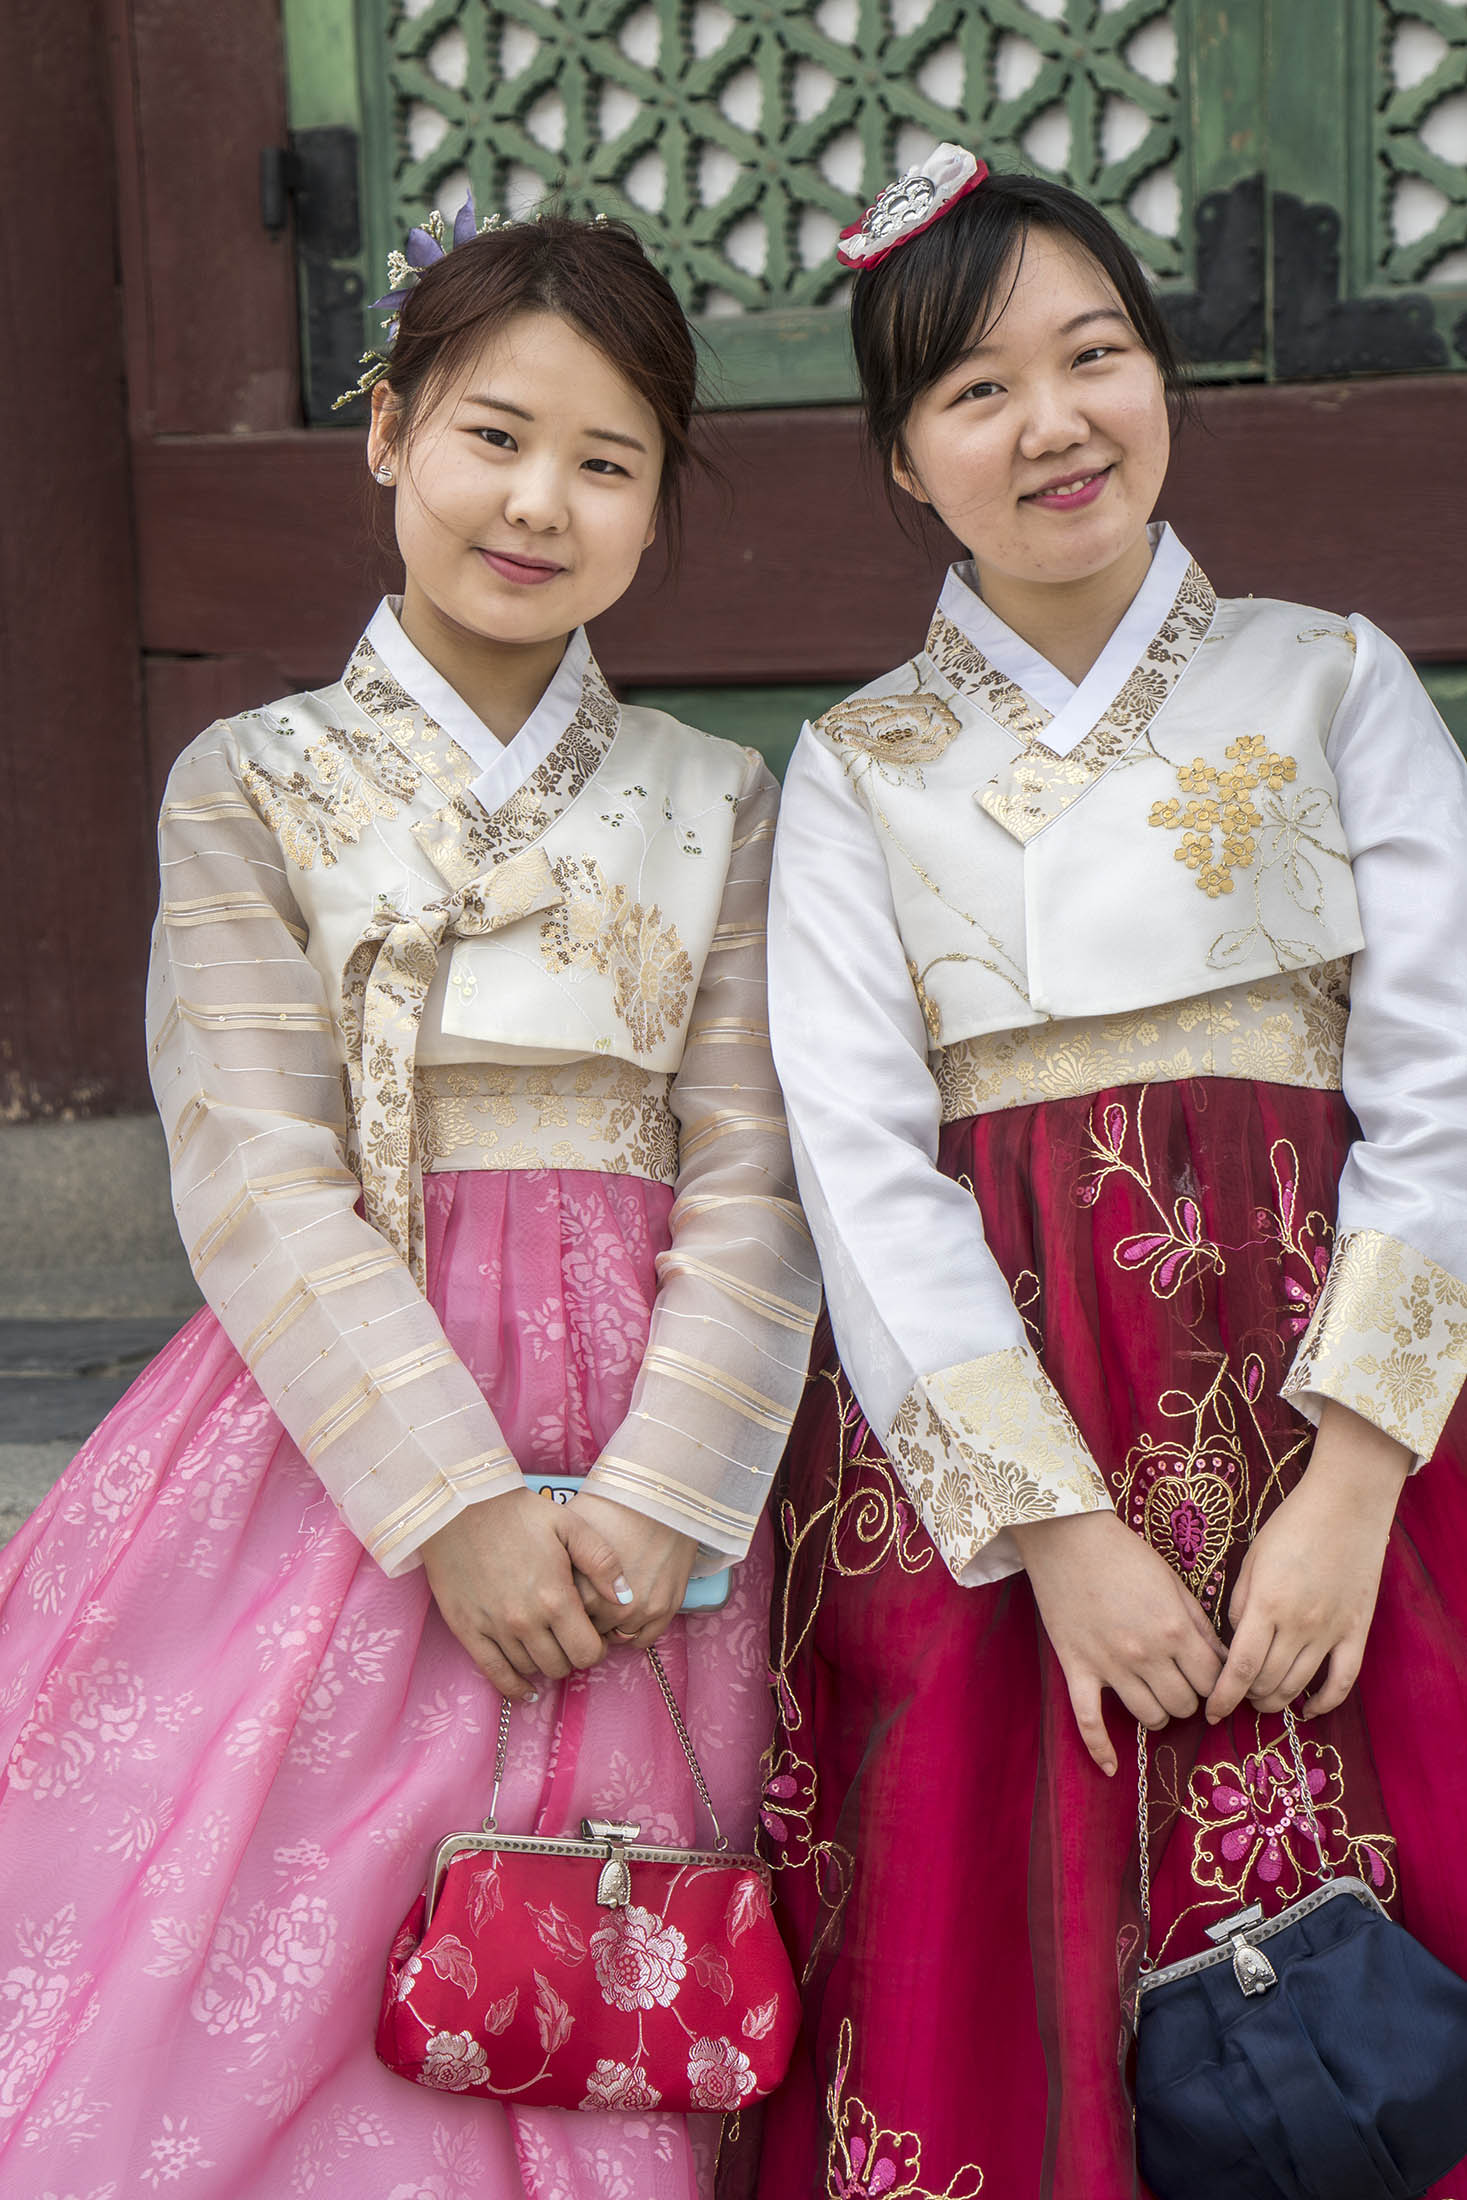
(231, 1742)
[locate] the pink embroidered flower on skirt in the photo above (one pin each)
(639, 1962)
(788, 1801)
(1255, 1824)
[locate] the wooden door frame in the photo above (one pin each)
(179, 547)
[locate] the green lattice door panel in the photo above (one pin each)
(1290, 170)
(1367, 174)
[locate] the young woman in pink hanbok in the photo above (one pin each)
(458, 1033)
(1118, 991)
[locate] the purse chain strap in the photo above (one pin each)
(1143, 1822)
(501, 1752)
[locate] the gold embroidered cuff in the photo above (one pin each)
(989, 1445)
(1388, 1339)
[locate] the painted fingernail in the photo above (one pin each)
(625, 1593)
(533, 1696)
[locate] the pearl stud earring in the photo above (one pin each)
(383, 474)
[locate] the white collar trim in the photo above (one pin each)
(503, 766)
(1075, 709)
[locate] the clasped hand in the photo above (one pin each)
(533, 1589)
(1119, 1618)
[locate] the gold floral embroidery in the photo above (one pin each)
(1188, 1494)
(1388, 1338)
(1252, 1829)
(1022, 799)
(595, 1113)
(987, 1445)
(1246, 1830)
(1217, 825)
(1299, 831)
(866, 2161)
(403, 719)
(351, 775)
(462, 840)
(864, 1520)
(1041, 783)
(931, 1013)
(385, 984)
(1197, 1492)
(1288, 1030)
(904, 731)
(512, 889)
(964, 666)
(599, 927)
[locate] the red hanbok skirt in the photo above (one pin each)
(958, 1881)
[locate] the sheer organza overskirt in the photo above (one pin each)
(231, 1741)
(959, 1883)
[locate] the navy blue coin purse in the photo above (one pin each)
(1317, 2055)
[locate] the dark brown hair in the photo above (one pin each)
(915, 314)
(596, 276)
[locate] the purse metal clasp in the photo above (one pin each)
(1251, 1967)
(614, 1887)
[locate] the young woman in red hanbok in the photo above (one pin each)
(458, 1032)
(1119, 998)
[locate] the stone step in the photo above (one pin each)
(58, 1379)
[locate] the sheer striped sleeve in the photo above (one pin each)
(246, 1066)
(739, 1286)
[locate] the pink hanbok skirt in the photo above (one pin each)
(959, 1882)
(232, 1742)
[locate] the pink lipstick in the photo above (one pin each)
(1071, 493)
(524, 572)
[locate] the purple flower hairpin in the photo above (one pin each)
(913, 203)
(426, 245)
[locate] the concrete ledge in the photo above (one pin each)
(87, 1223)
(164, 1288)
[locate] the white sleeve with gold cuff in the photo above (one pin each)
(738, 1288)
(1389, 1335)
(927, 1329)
(247, 1072)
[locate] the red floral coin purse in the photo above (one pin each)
(592, 1973)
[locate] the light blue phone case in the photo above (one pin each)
(706, 1593)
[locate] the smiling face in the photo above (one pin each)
(526, 497)
(1044, 449)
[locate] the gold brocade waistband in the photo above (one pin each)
(1288, 1030)
(589, 1114)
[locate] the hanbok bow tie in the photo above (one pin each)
(384, 989)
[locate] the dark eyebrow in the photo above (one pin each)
(1071, 328)
(596, 435)
(610, 435)
(1096, 313)
(499, 404)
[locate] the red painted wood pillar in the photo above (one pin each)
(73, 780)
